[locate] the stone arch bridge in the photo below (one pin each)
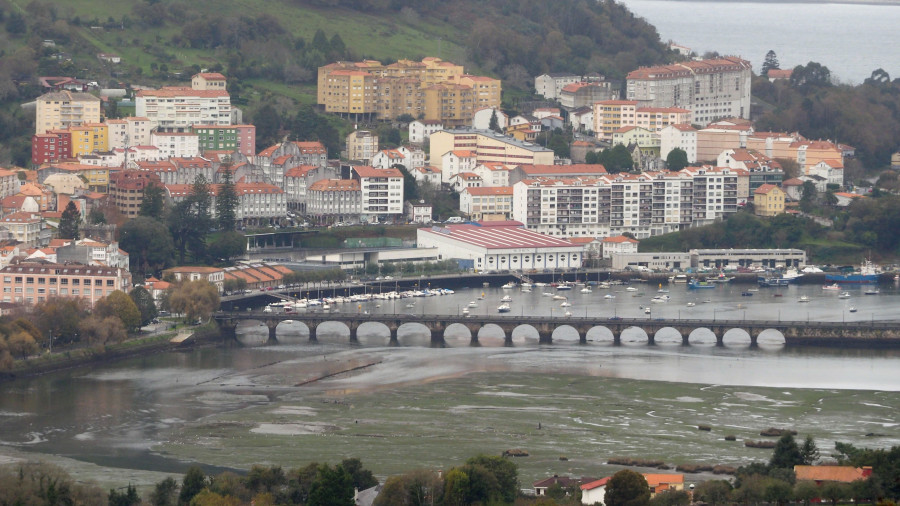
(850, 334)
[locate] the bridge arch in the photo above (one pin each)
(251, 333)
(770, 338)
(331, 331)
(491, 335)
(414, 334)
(565, 334)
(524, 334)
(634, 336)
(457, 335)
(600, 335)
(668, 336)
(736, 338)
(291, 332)
(373, 334)
(702, 336)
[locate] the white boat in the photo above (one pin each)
(565, 304)
(506, 298)
(473, 304)
(804, 298)
(410, 306)
(852, 309)
(503, 308)
(660, 299)
(465, 312)
(833, 286)
(547, 294)
(564, 287)
(586, 290)
(568, 314)
(508, 286)
(526, 290)
(540, 284)
(691, 304)
(631, 289)
(844, 295)
(326, 307)
(559, 297)
(872, 291)
(679, 278)
(609, 296)
(526, 285)
(647, 311)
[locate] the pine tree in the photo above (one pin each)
(771, 63)
(70, 222)
(494, 124)
(226, 202)
(153, 203)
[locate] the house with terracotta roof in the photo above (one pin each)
(334, 200)
(844, 199)
(214, 275)
(463, 180)
(768, 200)
(486, 203)
(594, 492)
(25, 228)
(831, 170)
(418, 212)
(618, 245)
(823, 474)
(258, 275)
(156, 287)
(793, 188)
(409, 157)
(541, 486)
(298, 180)
(428, 174)
(779, 74)
(456, 161)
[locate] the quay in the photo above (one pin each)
(874, 334)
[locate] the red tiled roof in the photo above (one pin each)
(489, 190)
(501, 237)
(366, 171)
(620, 239)
(845, 474)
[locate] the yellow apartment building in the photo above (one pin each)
(452, 104)
(62, 109)
(611, 115)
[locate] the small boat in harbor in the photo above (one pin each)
(508, 286)
(852, 309)
(586, 290)
(547, 294)
(506, 298)
(565, 304)
(609, 296)
(844, 295)
(691, 304)
(872, 291)
(568, 314)
(504, 308)
(803, 298)
(659, 299)
(631, 289)
(833, 286)
(697, 284)
(465, 312)
(473, 304)
(559, 297)
(747, 294)
(647, 311)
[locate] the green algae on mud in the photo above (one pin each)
(588, 419)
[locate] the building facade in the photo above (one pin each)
(62, 109)
(33, 283)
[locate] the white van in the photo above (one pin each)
(454, 219)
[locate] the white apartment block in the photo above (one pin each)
(489, 204)
(132, 131)
(644, 205)
(179, 108)
(176, 144)
(710, 89)
(257, 202)
(683, 137)
(493, 174)
(551, 85)
(409, 158)
(487, 146)
(428, 175)
(381, 192)
(421, 130)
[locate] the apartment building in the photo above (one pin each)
(494, 174)
(32, 283)
(795, 147)
(714, 139)
(711, 89)
(410, 158)
(209, 81)
(62, 109)
(715, 193)
(581, 94)
(214, 275)
(176, 144)
(24, 227)
(52, 146)
(257, 202)
(550, 85)
(433, 89)
(126, 189)
(240, 138)
(488, 147)
(131, 131)
(457, 162)
(297, 181)
(362, 145)
(178, 108)
(683, 137)
(421, 130)
(9, 183)
(487, 203)
(381, 192)
(611, 115)
(768, 200)
(334, 200)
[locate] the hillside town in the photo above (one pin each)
(458, 139)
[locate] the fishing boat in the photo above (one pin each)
(559, 297)
(506, 298)
(867, 273)
(722, 278)
(691, 304)
(768, 281)
(803, 298)
(504, 308)
(697, 284)
(833, 286)
(844, 295)
(659, 299)
(508, 286)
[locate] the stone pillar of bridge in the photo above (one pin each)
(312, 330)
(582, 333)
(473, 330)
(617, 334)
(719, 332)
(273, 334)
(354, 327)
(227, 329)
(393, 328)
(437, 338)
(754, 337)
(545, 334)
(651, 336)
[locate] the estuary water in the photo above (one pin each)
(851, 39)
(399, 408)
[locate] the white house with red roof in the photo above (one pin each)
(619, 244)
(831, 170)
(494, 174)
(463, 180)
(454, 162)
(683, 137)
(410, 158)
(488, 246)
(421, 130)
